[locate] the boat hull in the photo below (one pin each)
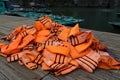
(116, 25)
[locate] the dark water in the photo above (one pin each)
(96, 19)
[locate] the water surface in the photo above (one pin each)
(96, 19)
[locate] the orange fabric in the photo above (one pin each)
(85, 52)
(73, 52)
(49, 19)
(90, 61)
(75, 30)
(77, 40)
(46, 21)
(19, 42)
(108, 62)
(41, 39)
(45, 66)
(30, 46)
(97, 45)
(38, 25)
(49, 55)
(27, 62)
(85, 45)
(56, 47)
(43, 33)
(13, 33)
(2, 44)
(9, 49)
(82, 36)
(13, 57)
(59, 49)
(64, 34)
(65, 70)
(39, 59)
(56, 61)
(26, 41)
(74, 63)
(32, 54)
(31, 31)
(40, 48)
(50, 58)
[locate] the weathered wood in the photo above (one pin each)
(20, 71)
(13, 71)
(10, 73)
(7, 19)
(50, 77)
(17, 71)
(3, 77)
(17, 23)
(110, 39)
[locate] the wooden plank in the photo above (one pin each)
(17, 23)
(14, 71)
(79, 75)
(50, 77)
(40, 72)
(107, 74)
(3, 77)
(22, 71)
(98, 74)
(6, 19)
(4, 29)
(110, 39)
(115, 54)
(10, 73)
(2, 34)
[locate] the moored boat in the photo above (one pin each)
(118, 14)
(65, 20)
(116, 25)
(40, 10)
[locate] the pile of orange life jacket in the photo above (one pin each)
(56, 47)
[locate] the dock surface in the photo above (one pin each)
(14, 71)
